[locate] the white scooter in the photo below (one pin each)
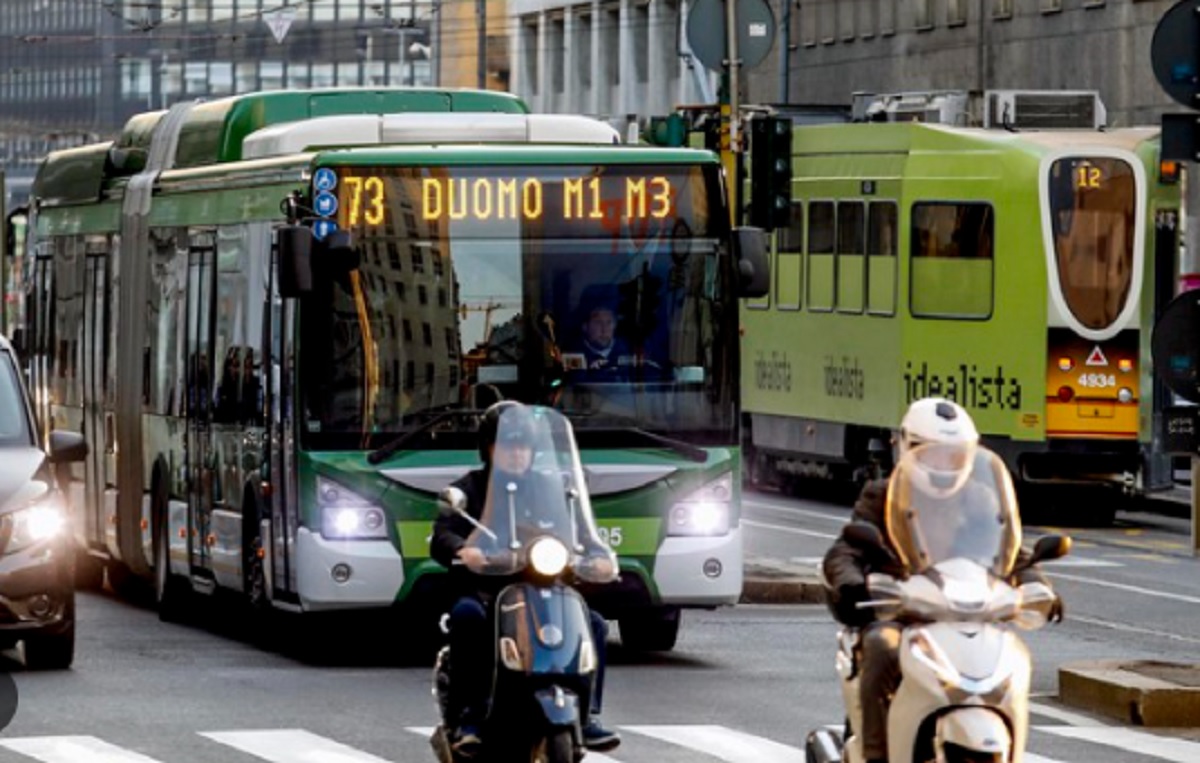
(965, 674)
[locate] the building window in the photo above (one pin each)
(808, 24)
(394, 256)
(1002, 9)
(427, 334)
(422, 295)
(408, 335)
(1051, 6)
(846, 20)
(400, 290)
(418, 259)
(828, 22)
(442, 301)
(956, 12)
(923, 14)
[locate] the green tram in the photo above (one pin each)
(285, 437)
(1016, 271)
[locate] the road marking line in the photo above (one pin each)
(723, 743)
(73, 749)
(592, 757)
(841, 520)
(1166, 748)
(1066, 716)
(1133, 629)
(1075, 561)
(291, 746)
(1124, 587)
(781, 528)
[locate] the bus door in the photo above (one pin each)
(198, 455)
(281, 428)
(96, 419)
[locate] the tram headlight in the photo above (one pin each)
(1125, 395)
(346, 515)
(707, 511)
(548, 556)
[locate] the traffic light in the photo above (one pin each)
(670, 131)
(1175, 60)
(770, 172)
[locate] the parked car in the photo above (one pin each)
(37, 575)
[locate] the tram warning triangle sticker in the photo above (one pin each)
(1097, 358)
(280, 21)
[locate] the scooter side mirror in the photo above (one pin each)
(1050, 547)
(452, 501)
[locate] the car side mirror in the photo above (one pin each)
(452, 501)
(754, 265)
(294, 264)
(1050, 547)
(67, 447)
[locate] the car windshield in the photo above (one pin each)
(14, 416)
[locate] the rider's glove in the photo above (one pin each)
(848, 597)
(1056, 610)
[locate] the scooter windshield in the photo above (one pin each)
(537, 510)
(953, 502)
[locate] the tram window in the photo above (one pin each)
(881, 258)
(822, 268)
(788, 274)
(952, 268)
(851, 244)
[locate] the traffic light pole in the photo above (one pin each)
(730, 140)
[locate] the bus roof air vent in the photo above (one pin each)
(944, 107)
(1044, 110)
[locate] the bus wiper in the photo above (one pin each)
(685, 449)
(389, 449)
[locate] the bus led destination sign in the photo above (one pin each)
(511, 198)
(563, 201)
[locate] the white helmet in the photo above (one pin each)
(935, 419)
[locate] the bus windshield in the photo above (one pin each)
(613, 320)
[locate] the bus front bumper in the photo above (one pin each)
(347, 574)
(700, 571)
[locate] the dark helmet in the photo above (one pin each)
(518, 432)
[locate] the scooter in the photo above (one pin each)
(963, 696)
(545, 656)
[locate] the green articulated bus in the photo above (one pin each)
(283, 434)
(1017, 271)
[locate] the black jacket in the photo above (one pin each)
(846, 567)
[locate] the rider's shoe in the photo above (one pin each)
(597, 738)
(465, 741)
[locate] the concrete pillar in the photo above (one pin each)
(656, 72)
(571, 64)
(628, 77)
(544, 97)
(599, 96)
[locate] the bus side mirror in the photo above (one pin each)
(338, 254)
(754, 268)
(295, 261)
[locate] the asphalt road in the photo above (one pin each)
(744, 684)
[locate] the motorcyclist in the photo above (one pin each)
(928, 420)
(471, 648)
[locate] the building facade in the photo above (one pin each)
(610, 59)
(836, 47)
(73, 71)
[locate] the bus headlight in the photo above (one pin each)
(548, 556)
(346, 515)
(704, 512)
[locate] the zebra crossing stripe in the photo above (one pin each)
(73, 749)
(1166, 748)
(592, 757)
(290, 746)
(723, 743)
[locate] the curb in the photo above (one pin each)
(781, 584)
(1141, 693)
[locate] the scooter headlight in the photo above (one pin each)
(548, 556)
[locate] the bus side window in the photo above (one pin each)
(952, 272)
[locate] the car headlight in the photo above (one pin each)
(704, 512)
(548, 556)
(36, 523)
(346, 515)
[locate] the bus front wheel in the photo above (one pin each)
(652, 630)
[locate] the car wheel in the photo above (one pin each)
(53, 650)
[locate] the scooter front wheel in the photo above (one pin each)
(555, 747)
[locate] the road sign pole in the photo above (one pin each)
(729, 114)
